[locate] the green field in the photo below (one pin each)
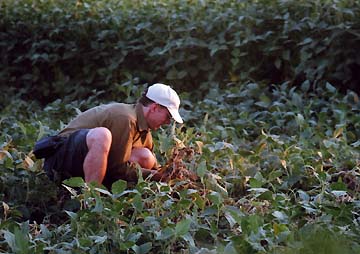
(272, 125)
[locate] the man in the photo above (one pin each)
(102, 143)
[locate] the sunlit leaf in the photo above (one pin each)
(98, 205)
(282, 217)
(74, 182)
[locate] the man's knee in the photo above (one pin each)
(143, 156)
(99, 138)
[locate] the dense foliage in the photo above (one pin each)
(49, 49)
(272, 127)
(279, 173)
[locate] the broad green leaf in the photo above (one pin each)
(182, 227)
(74, 182)
(119, 186)
(126, 245)
(233, 215)
(254, 183)
(282, 217)
(216, 198)
(201, 169)
(278, 228)
(143, 248)
(45, 232)
(338, 186)
(267, 195)
(164, 234)
(187, 237)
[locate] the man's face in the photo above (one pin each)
(158, 116)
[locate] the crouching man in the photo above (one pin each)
(102, 144)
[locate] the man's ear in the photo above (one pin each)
(153, 106)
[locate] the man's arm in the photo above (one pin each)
(153, 173)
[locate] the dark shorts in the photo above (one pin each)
(68, 160)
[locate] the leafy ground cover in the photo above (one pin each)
(50, 49)
(278, 164)
(278, 167)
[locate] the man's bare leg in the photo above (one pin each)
(147, 161)
(98, 141)
(143, 156)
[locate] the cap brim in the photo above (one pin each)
(175, 114)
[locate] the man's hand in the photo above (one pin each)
(167, 175)
(156, 175)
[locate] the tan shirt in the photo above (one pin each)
(128, 128)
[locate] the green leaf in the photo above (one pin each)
(10, 240)
(330, 87)
(72, 215)
(216, 198)
(233, 215)
(254, 183)
(330, 143)
(104, 191)
(165, 233)
(303, 196)
(21, 241)
(252, 223)
(98, 239)
(300, 119)
(297, 100)
(118, 187)
(98, 205)
(338, 186)
(201, 169)
(137, 202)
(188, 237)
(142, 249)
(279, 228)
(305, 86)
(182, 227)
(282, 217)
(230, 249)
(74, 182)
(45, 232)
(267, 195)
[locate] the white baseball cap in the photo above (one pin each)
(167, 97)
